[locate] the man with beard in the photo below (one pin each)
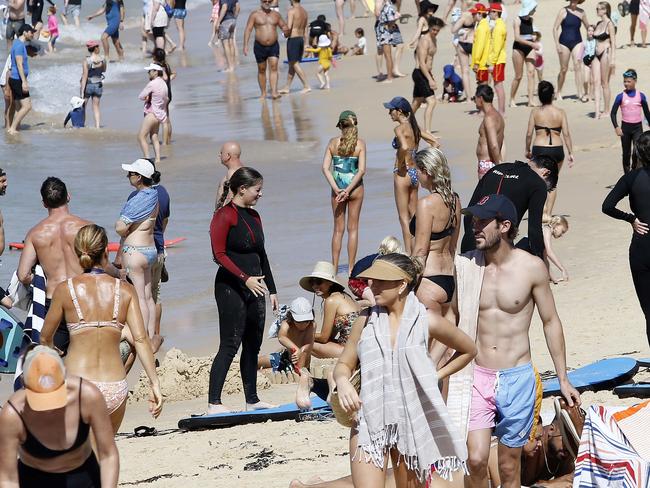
(498, 289)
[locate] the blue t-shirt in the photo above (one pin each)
(230, 8)
(18, 49)
(112, 12)
(163, 213)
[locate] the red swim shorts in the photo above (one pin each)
(499, 72)
(482, 76)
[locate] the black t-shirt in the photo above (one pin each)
(74, 2)
(180, 4)
(318, 27)
(230, 8)
(525, 188)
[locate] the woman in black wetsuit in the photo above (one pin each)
(238, 248)
(636, 186)
(523, 45)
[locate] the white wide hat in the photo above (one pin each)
(76, 102)
(154, 66)
(141, 166)
(324, 41)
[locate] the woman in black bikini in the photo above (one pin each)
(435, 230)
(463, 30)
(568, 39)
(523, 45)
(549, 125)
(603, 63)
(46, 427)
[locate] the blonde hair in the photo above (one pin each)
(349, 136)
(90, 244)
(389, 245)
(558, 220)
(607, 7)
(433, 162)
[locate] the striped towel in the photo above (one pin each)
(635, 422)
(606, 458)
(35, 317)
(469, 280)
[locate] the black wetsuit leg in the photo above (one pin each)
(631, 133)
(241, 322)
(640, 268)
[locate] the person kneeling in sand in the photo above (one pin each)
(295, 331)
(156, 97)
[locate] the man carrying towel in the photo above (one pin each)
(499, 286)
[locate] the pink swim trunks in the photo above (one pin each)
(484, 166)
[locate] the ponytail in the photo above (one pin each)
(224, 194)
(417, 133)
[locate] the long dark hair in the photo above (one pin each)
(417, 133)
(243, 177)
(643, 149)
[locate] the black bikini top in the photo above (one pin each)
(603, 36)
(435, 236)
(35, 448)
(548, 131)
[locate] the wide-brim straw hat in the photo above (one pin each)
(322, 270)
(568, 427)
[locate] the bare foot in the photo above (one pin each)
(263, 97)
(305, 90)
(284, 91)
(305, 382)
(387, 80)
(212, 409)
(12, 132)
(314, 480)
(399, 75)
(259, 406)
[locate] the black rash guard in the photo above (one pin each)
(525, 188)
(636, 184)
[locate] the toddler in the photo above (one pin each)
(53, 27)
(360, 47)
(325, 57)
(214, 20)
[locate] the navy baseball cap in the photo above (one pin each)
(399, 103)
(493, 206)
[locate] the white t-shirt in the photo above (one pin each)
(363, 45)
(161, 19)
(5, 71)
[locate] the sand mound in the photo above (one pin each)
(185, 378)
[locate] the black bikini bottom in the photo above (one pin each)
(554, 152)
(446, 282)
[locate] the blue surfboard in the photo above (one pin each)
(644, 362)
(12, 337)
(639, 390)
(600, 375)
(288, 411)
(312, 60)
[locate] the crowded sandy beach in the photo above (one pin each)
(384, 256)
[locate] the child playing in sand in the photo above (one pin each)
(555, 228)
(295, 332)
(214, 20)
(537, 55)
(452, 86)
(325, 57)
(53, 27)
(361, 47)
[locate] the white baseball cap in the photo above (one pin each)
(301, 310)
(154, 66)
(141, 166)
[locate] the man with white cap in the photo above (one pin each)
(156, 97)
(38, 421)
(266, 48)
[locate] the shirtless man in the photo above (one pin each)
(506, 392)
(424, 85)
(50, 243)
(15, 20)
(229, 156)
(490, 132)
(266, 48)
(297, 23)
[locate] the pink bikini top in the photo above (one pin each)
(82, 324)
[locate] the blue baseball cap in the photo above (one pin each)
(493, 206)
(399, 103)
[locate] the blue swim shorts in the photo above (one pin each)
(179, 13)
(508, 400)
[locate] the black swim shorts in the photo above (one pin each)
(262, 53)
(421, 88)
(17, 89)
(295, 49)
(158, 31)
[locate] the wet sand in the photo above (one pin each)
(285, 141)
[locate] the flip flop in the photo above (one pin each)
(144, 431)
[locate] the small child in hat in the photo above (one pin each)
(77, 115)
(325, 59)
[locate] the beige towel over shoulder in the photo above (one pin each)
(469, 280)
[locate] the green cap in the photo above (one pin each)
(346, 114)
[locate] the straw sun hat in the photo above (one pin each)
(322, 270)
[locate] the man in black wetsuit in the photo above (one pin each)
(527, 185)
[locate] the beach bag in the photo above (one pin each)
(342, 417)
